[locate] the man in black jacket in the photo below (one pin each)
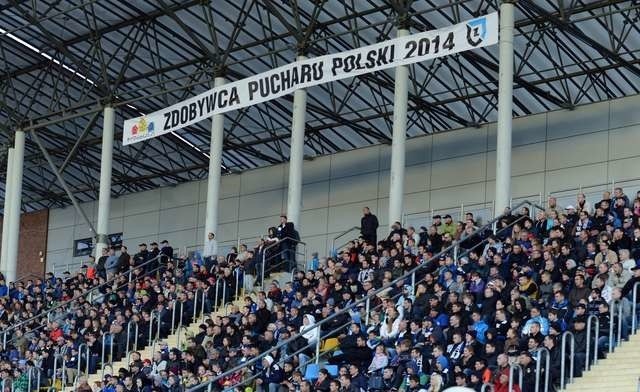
(124, 260)
(285, 232)
(167, 251)
(369, 226)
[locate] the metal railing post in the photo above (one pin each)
(597, 336)
(224, 293)
(563, 349)
(485, 386)
(634, 318)
(615, 304)
(318, 341)
(173, 317)
(546, 368)
(367, 309)
(87, 353)
(237, 293)
(204, 296)
(104, 351)
(135, 340)
(181, 312)
(195, 305)
(512, 367)
(264, 261)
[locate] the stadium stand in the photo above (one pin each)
(452, 304)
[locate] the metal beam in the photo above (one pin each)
(63, 183)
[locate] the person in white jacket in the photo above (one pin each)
(309, 330)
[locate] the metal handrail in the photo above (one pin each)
(87, 354)
(154, 315)
(634, 304)
(342, 234)
(572, 352)
(56, 357)
(357, 302)
(30, 376)
(173, 315)
(65, 303)
(135, 340)
(486, 385)
(597, 336)
(547, 368)
(512, 367)
(104, 363)
(266, 248)
(615, 341)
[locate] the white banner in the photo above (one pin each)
(284, 80)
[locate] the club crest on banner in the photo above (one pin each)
(476, 31)
(142, 128)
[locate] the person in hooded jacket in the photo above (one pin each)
(271, 377)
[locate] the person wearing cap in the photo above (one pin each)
(166, 250)
(142, 256)
(449, 227)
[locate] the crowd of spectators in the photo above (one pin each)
(461, 319)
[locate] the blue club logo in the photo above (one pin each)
(476, 31)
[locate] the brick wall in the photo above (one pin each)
(32, 246)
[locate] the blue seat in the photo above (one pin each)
(311, 373)
(332, 369)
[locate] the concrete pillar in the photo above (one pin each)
(15, 205)
(505, 108)
(104, 197)
(398, 150)
(215, 163)
(7, 208)
(296, 155)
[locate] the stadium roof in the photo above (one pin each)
(62, 60)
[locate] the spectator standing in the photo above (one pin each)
(210, 251)
(369, 226)
(286, 234)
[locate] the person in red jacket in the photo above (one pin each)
(56, 331)
(501, 384)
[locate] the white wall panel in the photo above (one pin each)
(364, 160)
(317, 170)
(575, 177)
(264, 179)
(261, 204)
(460, 142)
(454, 196)
(352, 189)
(624, 111)
(60, 238)
(576, 151)
(315, 195)
(181, 195)
(458, 171)
(624, 142)
(137, 203)
(179, 218)
(141, 224)
(624, 169)
(314, 222)
(583, 119)
(62, 217)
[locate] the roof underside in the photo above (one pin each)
(62, 60)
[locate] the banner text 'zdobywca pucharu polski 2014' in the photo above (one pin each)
(284, 80)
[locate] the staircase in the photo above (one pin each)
(620, 372)
(172, 340)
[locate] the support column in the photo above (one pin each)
(215, 163)
(398, 150)
(296, 155)
(7, 208)
(104, 197)
(505, 108)
(15, 205)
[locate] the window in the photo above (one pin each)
(82, 247)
